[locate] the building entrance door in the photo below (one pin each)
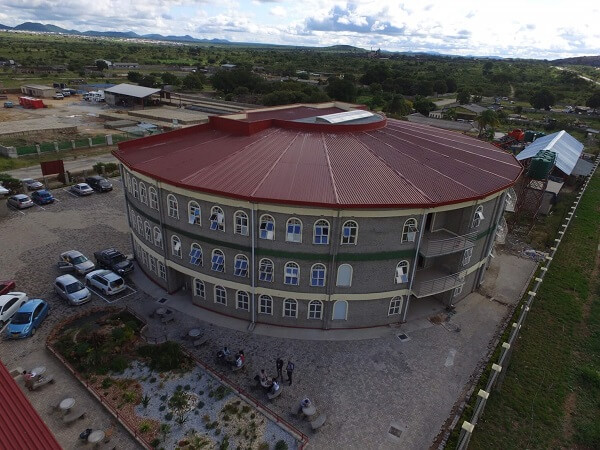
(340, 310)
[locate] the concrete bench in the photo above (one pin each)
(200, 342)
(73, 415)
(277, 393)
(318, 422)
(168, 318)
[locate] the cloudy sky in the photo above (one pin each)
(511, 28)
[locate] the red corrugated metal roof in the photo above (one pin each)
(293, 113)
(20, 424)
(401, 164)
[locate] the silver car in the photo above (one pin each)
(74, 260)
(32, 185)
(20, 201)
(72, 290)
(106, 281)
(82, 189)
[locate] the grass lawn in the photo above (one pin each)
(551, 395)
(7, 164)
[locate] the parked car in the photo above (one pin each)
(42, 197)
(27, 319)
(114, 260)
(32, 185)
(6, 286)
(74, 260)
(106, 281)
(99, 183)
(82, 189)
(72, 290)
(58, 96)
(9, 105)
(20, 201)
(10, 304)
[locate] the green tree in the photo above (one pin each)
(440, 87)
(423, 106)
(463, 97)
(134, 77)
(101, 65)
(149, 81)
(542, 99)
(594, 100)
(170, 78)
(343, 90)
(487, 118)
(398, 106)
(451, 85)
(193, 82)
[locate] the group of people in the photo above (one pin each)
(30, 378)
(237, 361)
(271, 384)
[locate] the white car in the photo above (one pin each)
(82, 189)
(107, 282)
(10, 303)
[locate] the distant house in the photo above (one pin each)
(37, 90)
(469, 112)
(228, 66)
(125, 65)
(437, 114)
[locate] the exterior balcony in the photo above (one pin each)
(444, 242)
(433, 281)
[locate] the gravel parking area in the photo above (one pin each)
(377, 393)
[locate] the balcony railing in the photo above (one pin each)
(427, 283)
(443, 243)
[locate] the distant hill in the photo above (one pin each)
(579, 60)
(343, 48)
(5, 27)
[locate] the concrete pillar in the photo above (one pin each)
(67, 180)
(109, 139)
(37, 149)
(56, 147)
(73, 144)
(90, 142)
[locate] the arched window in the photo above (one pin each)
(409, 232)
(267, 227)
(340, 310)
(173, 206)
(292, 274)
(139, 224)
(220, 295)
(217, 219)
(321, 232)
(315, 309)
(143, 193)
(176, 246)
(293, 230)
(349, 232)
(265, 304)
(467, 256)
(241, 223)
(401, 272)
(134, 184)
(265, 270)
(395, 305)
(477, 217)
(344, 275)
(196, 254)
(148, 231)
(194, 216)
(317, 275)
(290, 308)
(157, 237)
(217, 261)
(132, 217)
(240, 266)
(243, 301)
(162, 270)
(199, 289)
(153, 197)
(128, 181)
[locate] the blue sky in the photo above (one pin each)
(510, 28)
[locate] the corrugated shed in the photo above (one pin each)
(567, 148)
(20, 425)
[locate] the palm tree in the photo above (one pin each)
(488, 118)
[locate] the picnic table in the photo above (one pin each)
(66, 404)
(194, 333)
(309, 411)
(160, 311)
(40, 370)
(96, 437)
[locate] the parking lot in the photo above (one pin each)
(377, 393)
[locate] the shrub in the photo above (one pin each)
(200, 404)
(107, 382)
(263, 446)
(144, 427)
(155, 442)
(110, 167)
(145, 400)
(118, 364)
(129, 397)
(152, 380)
(165, 357)
(168, 416)
(10, 183)
(187, 387)
(98, 167)
(281, 445)
(161, 408)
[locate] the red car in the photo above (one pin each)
(6, 286)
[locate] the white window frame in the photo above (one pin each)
(194, 213)
(396, 304)
(293, 236)
(238, 266)
(200, 260)
(241, 223)
(288, 272)
(264, 274)
(199, 288)
(337, 281)
(153, 197)
(266, 228)
(467, 255)
(221, 299)
(458, 290)
(349, 238)
(132, 217)
(140, 225)
(217, 219)
(152, 263)
(321, 236)
(172, 206)
(143, 193)
(315, 313)
(213, 263)
(241, 302)
(157, 237)
(147, 231)
(333, 309)
(400, 277)
(322, 279)
(409, 230)
(134, 184)
(477, 217)
(162, 270)
(265, 304)
(145, 257)
(287, 308)
(176, 246)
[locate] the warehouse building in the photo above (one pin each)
(129, 95)
(37, 90)
(315, 216)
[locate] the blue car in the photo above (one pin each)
(27, 319)
(42, 197)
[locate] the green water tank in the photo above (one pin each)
(541, 165)
(529, 135)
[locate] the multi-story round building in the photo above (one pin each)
(314, 216)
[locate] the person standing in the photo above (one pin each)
(279, 364)
(290, 370)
